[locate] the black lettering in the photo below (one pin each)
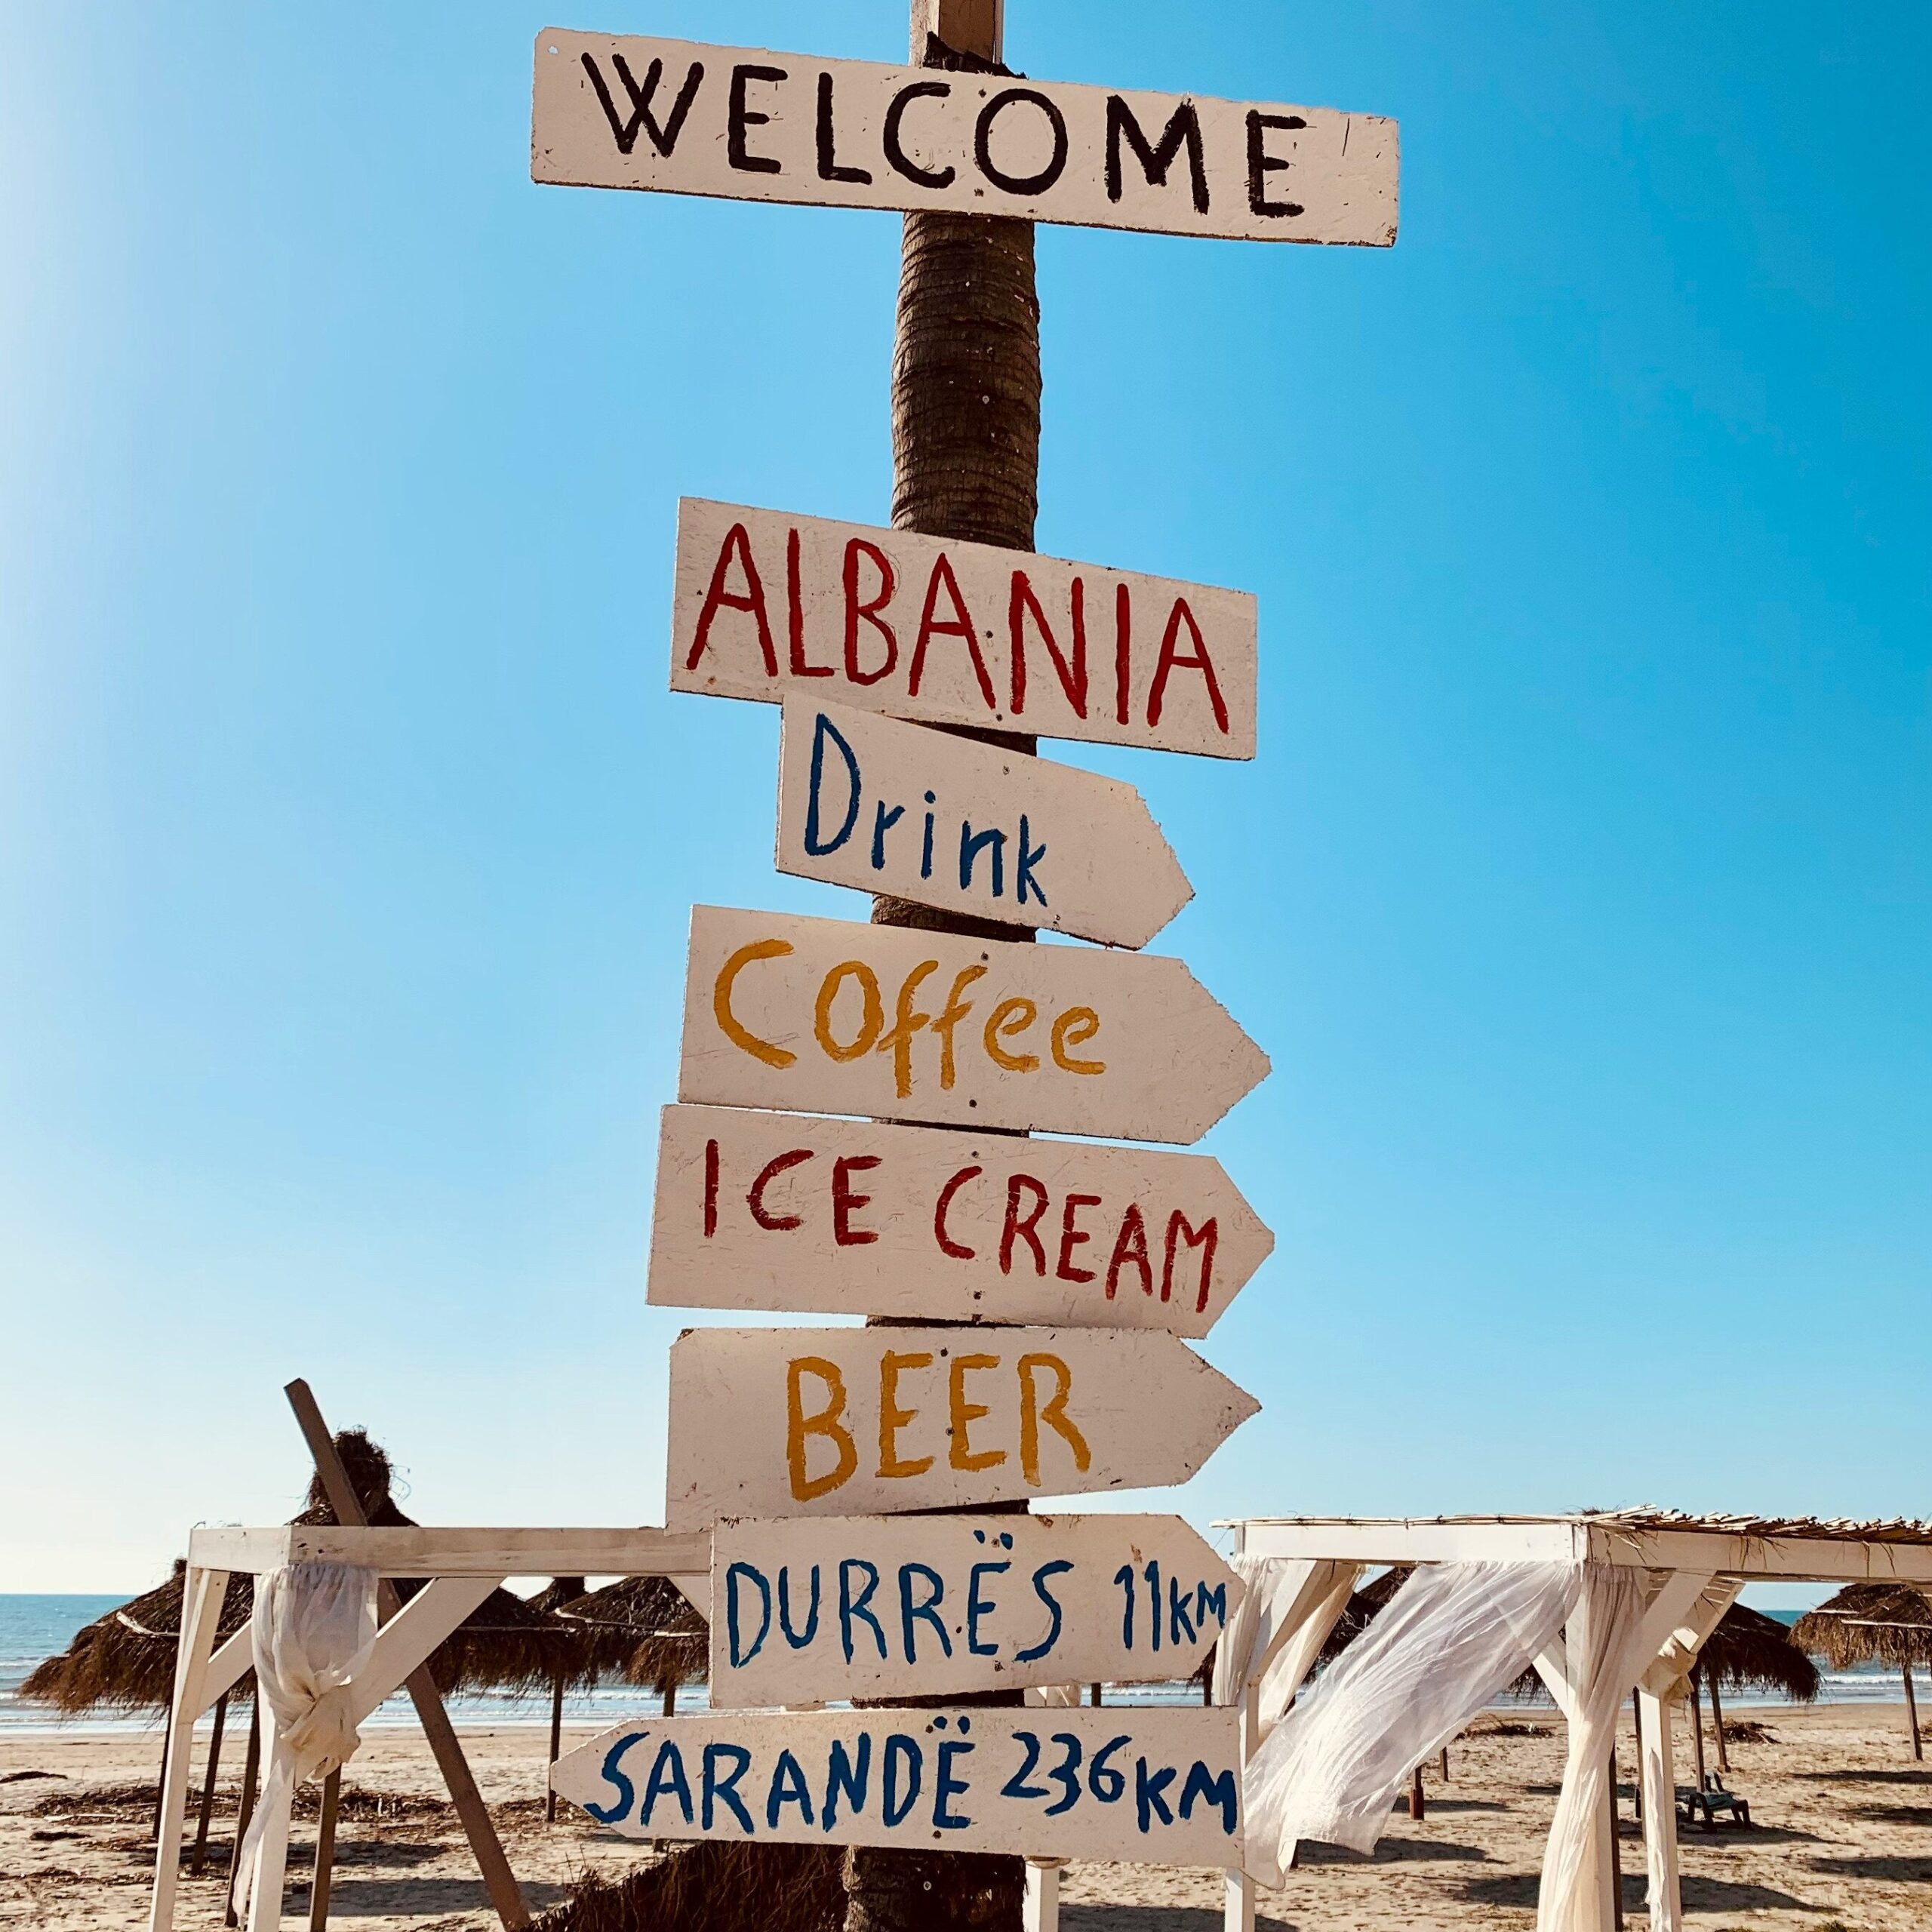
(1019, 184)
(642, 120)
(829, 168)
(1261, 163)
(1184, 128)
(742, 117)
(895, 150)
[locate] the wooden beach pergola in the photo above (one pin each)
(1693, 1567)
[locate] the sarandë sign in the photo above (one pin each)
(819, 1609)
(681, 118)
(757, 1210)
(1160, 1787)
(871, 803)
(767, 605)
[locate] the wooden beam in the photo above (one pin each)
(967, 27)
(427, 1551)
(203, 1592)
(505, 1894)
(1658, 1779)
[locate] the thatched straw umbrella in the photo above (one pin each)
(1747, 1650)
(1873, 1623)
(643, 1630)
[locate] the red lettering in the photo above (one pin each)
(1130, 1250)
(717, 598)
(845, 1203)
(1171, 661)
(958, 1251)
(1123, 651)
(1016, 1229)
(710, 1189)
(960, 625)
(1072, 677)
(868, 610)
(755, 1199)
(1071, 1238)
(795, 609)
(1178, 1231)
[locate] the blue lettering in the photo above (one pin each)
(740, 1656)
(1052, 1602)
(1216, 1600)
(1023, 881)
(797, 1641)
(1124, 1576)
(1102, 1779)
(949, 1786)
(850, 1606)
(1147, 1798)
(977, 1607)
(1016, 1786)
(667, 1777)
(726, 1789)
(824, 728)
(788, 1787)
(884, 823)
(971, 846)
(1179, 1616)
(900, 1749)
(1217, 1790)
(609, 1814)
(1066, 1773)
(841, 1775)
(910, 1612)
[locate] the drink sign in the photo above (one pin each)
(819, 1609)
(615, 111)
(819, 1014)
(767, 605)
(966, 828)
(770, 1211)
(834, 1421)
(1160, 1787)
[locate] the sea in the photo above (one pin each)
(32, 1628)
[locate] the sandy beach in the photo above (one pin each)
(1843, 1836)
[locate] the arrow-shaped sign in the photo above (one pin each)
(819, 1609)
(794, 1211)
(820, 1015)
(870, 802)
(1154, 1787)
(830, 1421)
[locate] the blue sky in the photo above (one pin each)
(1580, 892)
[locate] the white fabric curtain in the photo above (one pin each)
(1601, 1646)
(1272, 1589)
(314, 1627)
(1452, 1638)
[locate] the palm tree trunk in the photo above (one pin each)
(966, 453)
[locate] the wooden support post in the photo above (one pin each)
(202, 1594)
(200, 1856)
(1094, 1695)
(1911, 1713)
(1445, 1763)
(1637, 1721)
(1658, 1779)
(1717, 1725)
(1417, 1804)
(670, 1690)
(1614, 1851)
(271, 1847)
(251, 1772)
(1697, 1734)
(1237, 1902)
(498, 1879)
(167, 1750)
(556, 1743)
(1042, 1912)
(318, 1892)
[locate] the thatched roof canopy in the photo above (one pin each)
(1869, 1623)
(642, 1629)
(1748, 1649)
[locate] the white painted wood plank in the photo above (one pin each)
(825, 1016)
(1040, 1909)
(1367, 1542)
(683, 118)
(970, 828)
(767, 605)
(428, 1550)
(1658, 1776)
(838, 1421)
(890, 1607)
(203, 1591)
(797, 1212)
(1149, 1786)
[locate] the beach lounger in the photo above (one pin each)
(1710, 1807)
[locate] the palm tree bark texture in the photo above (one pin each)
(966, 462)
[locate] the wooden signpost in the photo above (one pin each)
(621, 112)
(818, 1609)
(869, 802)
(837, 1422)
(786, 1012)
(771, 1210)
(1153, 1786)
(768, 605)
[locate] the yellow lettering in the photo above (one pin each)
(892, 1418)
(905, 1023)
(720, 1001)
(956, 1010)
(1011, 1016)
(1053, 1414)
(960, 1414)
(799, 1426)
(1075, 1027)
(870, 1019)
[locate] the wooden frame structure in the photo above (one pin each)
(463, 1567)
(1696, 1566)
